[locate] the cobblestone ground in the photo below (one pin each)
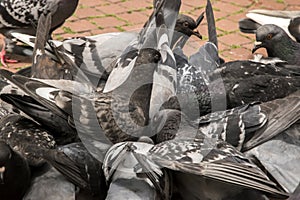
(101, 16)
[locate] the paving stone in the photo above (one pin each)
(134, 17)
(226, 7)
(237, 17)
(293, 7)
(106, 30)
(108, 22)
(111, 9)
(133, 28)
(92, 3)
(243, 3)
(235, 39)
(195, 3)
(86, 12)
(130, 4)
(291, 2)
(79, 27)
(227, 25)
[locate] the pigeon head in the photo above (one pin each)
(267, 35)
(5, 155)
(277, 43)
(187, 26)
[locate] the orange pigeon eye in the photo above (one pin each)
(269, 36)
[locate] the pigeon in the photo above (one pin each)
(244, 127)
(279, 157)
(164, 76)
(149, 37)
(296, 194)
(289, 21)
(20, 133)
(20, 16)
(94, 55)
(129, 180)
(14, 173)
(62, 110)
(77, 165)
(42, 65)
(281, 113)
(193, 158)
(56, 123)
(203, 86)
(277, 43)
(51, 185)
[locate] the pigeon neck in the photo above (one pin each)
(287, 50)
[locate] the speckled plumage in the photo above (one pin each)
(214, 159)
(18, 15)
(19, 133)
(77, 165)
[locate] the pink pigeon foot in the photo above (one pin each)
(3, 58)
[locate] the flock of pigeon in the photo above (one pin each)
(130, 116)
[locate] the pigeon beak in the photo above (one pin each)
(2, 170)
(197, 34)
(257, 45)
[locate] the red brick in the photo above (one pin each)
(194, 3)
(225, 7)
(84, 25)
(234, 40)
(92, 3)
(87, 12)
(133, 5)
(240, 2)
(186, 7)
(108, 22)
(236, 17)
(293, 7)
(106, 30)
(133, 28)
(134, 17)
(111, 9)
(227, 25)
(291, 2)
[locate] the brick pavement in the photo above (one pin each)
(101, 16)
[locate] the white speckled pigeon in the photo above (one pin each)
(22, 15)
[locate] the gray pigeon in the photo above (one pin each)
(21, 16)
(131, 178)
(288, 20)
(94, 55)
(277, 43)
(296, 194)
(207, 176)
(77, 165)
(51, 185)
(280, 157)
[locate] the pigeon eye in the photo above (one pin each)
(186, 24)
(269, 36)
